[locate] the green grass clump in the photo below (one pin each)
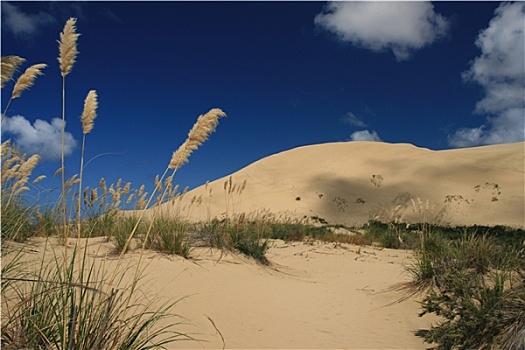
(242, 234)
(61, 307)
(170, 235)
(476, 285)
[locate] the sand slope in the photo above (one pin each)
(352, 182)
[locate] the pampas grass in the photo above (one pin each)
(10, 65)
(27, 79)
(90, 111)
(87, 118)
(68, 47)
(204, 126)
(24, 82)
(69, 303)
(16, 170)
(68, 53)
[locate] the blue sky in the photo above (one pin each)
(438, 75)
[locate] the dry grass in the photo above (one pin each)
(198, 134)
(90, 112)
(68, 47)
(10, 65)
(27, 79)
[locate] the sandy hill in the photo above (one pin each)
(352, 182)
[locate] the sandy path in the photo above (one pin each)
(316, 296)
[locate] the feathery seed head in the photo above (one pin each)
(199, 133)
(93, 196)
(27, 167)
(158, 184)
(68, 47)
(58, 171)
(26, 80)
(5, 147)
(90, 111)
(10, 65)
(86, 192)
(126, 188)
(38, 179)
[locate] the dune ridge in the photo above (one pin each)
(352, 182)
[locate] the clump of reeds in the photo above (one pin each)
(96, 317)
(16, 173)
(69, 302)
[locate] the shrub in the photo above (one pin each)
(473, 284)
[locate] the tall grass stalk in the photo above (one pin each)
(88, 116)
(67, 56)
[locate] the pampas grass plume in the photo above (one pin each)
(68, 47)
(90, 111)
(10, 65)
(199, 133)
(5, 147)
(27, 79)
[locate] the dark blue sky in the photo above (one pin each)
(287, 74)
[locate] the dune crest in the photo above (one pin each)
(352, 182)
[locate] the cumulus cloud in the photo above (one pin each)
(41, 138)
(352, 119)
(401, 27)
(20, 23)
(500, 70)
(365, 135)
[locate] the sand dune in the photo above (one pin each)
(352, 182)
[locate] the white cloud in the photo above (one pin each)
(41, 138)
(365, 135)
(398, 26)
(352, 119)
(500, 70)
(20, 23)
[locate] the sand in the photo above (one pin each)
(312, 296)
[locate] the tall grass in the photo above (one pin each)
(67, 300)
